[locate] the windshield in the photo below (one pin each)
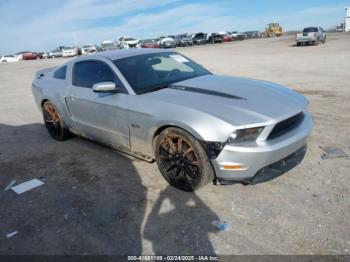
(130, 39)
(151, 72)
(310, 30)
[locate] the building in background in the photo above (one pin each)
(347, 20)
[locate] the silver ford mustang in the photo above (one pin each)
(160, 105)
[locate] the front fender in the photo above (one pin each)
(148, 118)
(163, 124)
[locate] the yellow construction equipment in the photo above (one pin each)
(273, 29)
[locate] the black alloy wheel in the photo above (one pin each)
(54, 122)
(182, 160)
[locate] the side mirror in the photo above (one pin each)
(105, 87)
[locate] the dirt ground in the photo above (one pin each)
(98, 201)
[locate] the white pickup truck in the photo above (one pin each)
(311, 35)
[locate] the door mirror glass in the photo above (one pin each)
(105, 87)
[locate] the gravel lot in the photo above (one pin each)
(98, 201)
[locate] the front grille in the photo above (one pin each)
(287, 125)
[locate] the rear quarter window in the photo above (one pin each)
(60, 73)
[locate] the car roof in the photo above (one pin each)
(123, 53)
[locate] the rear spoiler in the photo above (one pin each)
(41, 73)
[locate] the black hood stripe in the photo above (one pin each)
(205, 91)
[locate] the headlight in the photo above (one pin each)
(243, 135)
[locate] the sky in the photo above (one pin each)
(39, 25)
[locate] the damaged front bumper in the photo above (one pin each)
(241, 163)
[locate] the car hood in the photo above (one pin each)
(238, 101)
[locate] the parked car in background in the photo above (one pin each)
(160, 38)
(199, 39)
(184, 40)
(55, 53)
(127, 42)
(160, 105)
(237, 36)
(88, 49)
(252, 34)
(9, 59)
(30, 56)
(148, 43)
(340, 28)
(167, 42)
(226, 36)
(42, 55)
(215, 38)
(109, 45)
(69, 51)
(20, 54)
(171, 36)
(311, 35)
(175, 38)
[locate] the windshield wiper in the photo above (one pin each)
(154, 89)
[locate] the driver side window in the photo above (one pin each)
(88, 73)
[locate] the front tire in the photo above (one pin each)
(182, 160)
(54, 122)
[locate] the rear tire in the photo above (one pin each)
(182, 160)
(54, 123)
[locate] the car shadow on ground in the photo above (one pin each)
(93, 201)
(302, 45)
(175, 224)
